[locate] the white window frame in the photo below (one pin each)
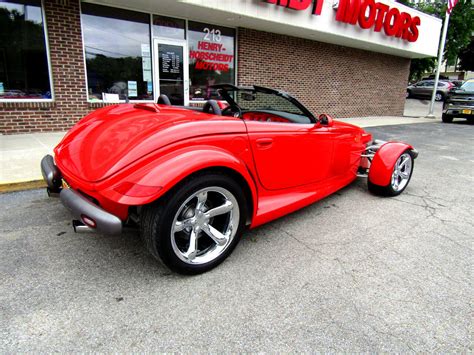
(48, 59)
(156, 70)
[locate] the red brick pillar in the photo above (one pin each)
(63, 20)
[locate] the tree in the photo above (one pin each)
(466, 58)
(420, 66)
(461, 27)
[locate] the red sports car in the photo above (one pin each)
(193, 179)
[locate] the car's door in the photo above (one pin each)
(427, 88)
(418, 89)
(290, 154)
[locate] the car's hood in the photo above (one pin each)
(113, 137)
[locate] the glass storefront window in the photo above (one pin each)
(211, 59)
(24, 72)
(168, 27)
(118, 54)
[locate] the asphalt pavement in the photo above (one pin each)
(421, 108)
(353, 272)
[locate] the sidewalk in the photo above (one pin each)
(20, 155)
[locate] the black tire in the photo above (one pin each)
(439, 96)
(408, 95)
(447, 118)
(157, 220)
(389, 191)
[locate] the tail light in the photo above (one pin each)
(88, 221)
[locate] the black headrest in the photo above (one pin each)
(164, 100)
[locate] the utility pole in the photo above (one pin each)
(440, 57)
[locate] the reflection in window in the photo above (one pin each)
(23, 58)
(118, 56)
(168, 27)
(211, 59)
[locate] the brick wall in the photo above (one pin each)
(70, 104)
(326, 78)
(341, 81)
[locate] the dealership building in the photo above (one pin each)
(61, 59)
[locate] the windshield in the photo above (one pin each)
(468, 86)
(262, 101)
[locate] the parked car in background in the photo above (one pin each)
(457, 83)
(433, 76)
(424, 89)
(460, 103)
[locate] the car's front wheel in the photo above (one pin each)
(439, 96)
(197, 225)
(447, 118)
(401, 175)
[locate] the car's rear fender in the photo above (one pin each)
(154, 180)
(381, 168)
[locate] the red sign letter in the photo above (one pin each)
(414, 29)
(348, 11)
(299, 4)
(392, 29)
(382, 9)
(318, 6)
(367, 22)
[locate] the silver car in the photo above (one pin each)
(424, 89)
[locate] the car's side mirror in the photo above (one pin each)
(325, 120)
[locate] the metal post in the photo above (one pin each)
(440, 60)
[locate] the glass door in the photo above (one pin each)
(171, 65)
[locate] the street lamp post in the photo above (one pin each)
(440, 61)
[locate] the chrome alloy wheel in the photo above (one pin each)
(438, 96)
(205, 225)
(401, 172)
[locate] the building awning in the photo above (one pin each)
(390, 27)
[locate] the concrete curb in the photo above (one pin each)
(22, 185)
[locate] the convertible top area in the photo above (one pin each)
(253, 103)
(226, 89)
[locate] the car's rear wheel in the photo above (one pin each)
(401, 175)
(439, 96)
(447, 118)
(197, 225)
(408, 94)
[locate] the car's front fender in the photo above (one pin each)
(381, 168)
(168, 170)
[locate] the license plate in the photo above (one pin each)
(467, 112)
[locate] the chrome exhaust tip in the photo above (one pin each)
(80, 227)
